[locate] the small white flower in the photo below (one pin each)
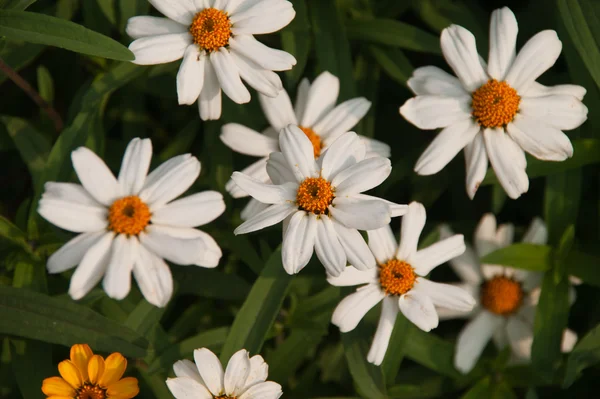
(507, 297)
(320, 201)
(132, 223)
(495, 111)
(244, 378)
(215, 39)
(398, 281)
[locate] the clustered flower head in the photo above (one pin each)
(311, 177)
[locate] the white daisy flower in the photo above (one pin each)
(495, 111)
(398, 281)
(320, 201)
(507, 297)
(315, 114)
(215, 39)
(244, 378)
(131, 223)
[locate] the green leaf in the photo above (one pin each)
(210, 283)
(562, 253)
(393, 33)
(585, 354)
(16, 4)
(60, 321)
(561, 203)
(432, 352)
(487, 388)
(522, 256)
(144, 317)
(584, 266)
(260, 309)
(581, 22)
(44, 29)
(396, 348)
(45, 84)
(18, 55)
(26, 353)
(393, 62)
(296, 40)
(12, 233)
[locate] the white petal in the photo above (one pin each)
(236, 372)
(503, 42)
(262, 80)
(535, 57)
(263, 24)
(397, 209)
(72, 216)
(256, 170)
(181, 11)
(95, 176)
(255, 8)
(344, 152)
(322, 96)
(361, 214)
(252, 208)
(278, 170)
(71, 254)
(352, 276)
(445, 146)
(381, 340)
(185, 388)
(376, 147)
(357, 251)
(92, 267)
(259, 370)
(476, 163)
(363, 176)
(266, 193)
(270, 216)
(210, 369)
(505, 235)
(264, 56)
(425, 260)
(298, 152)
(539, 139)
(301, 98)
(419, 309)
(382, 243)
(190, 77)
(473, 339)
(343, 117)
(504, 156)
(460, 51)
(563, 112)
(445, 295)
(350, 311)
(187, 368)
(466, 265)
(520, 337)
(160, 49)
(278, 110)
(229, 76)
(69, 192)
(195, 210)
(134, 166)
(209, 103)
(432, 111)
(154, 277)
(569, 339)
(536, 89)
(537, 233)
(264, 390)
(431, 80)
(412, 226)
(145, 25)
(328, 248)
(298, 242)
(117, 280)
(170, 181)
(485, 235)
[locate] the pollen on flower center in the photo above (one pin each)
(314, 195)
(90, 391)
(495, 104)
(314, 138)
(128, 215)
(501, 295)
(211, 29)
(396, 277)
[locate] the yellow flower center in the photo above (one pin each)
(211, 29)
(128, 215)
(314, 195)
(90, 391)
(495, 104)
(396, 277)
(314, 138)
(501, 295)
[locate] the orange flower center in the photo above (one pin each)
(314, 138)
(90, 391)
(128, 215)
(501, 295)
(396, 277)
(211, 29)
(495, 104)
(314, 195)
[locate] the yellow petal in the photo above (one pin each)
(114, 367)
(95, 368)
(70, 373)
(124, 389)
(80, 355)
(56, 386)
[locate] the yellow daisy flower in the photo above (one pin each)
(89, 376)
